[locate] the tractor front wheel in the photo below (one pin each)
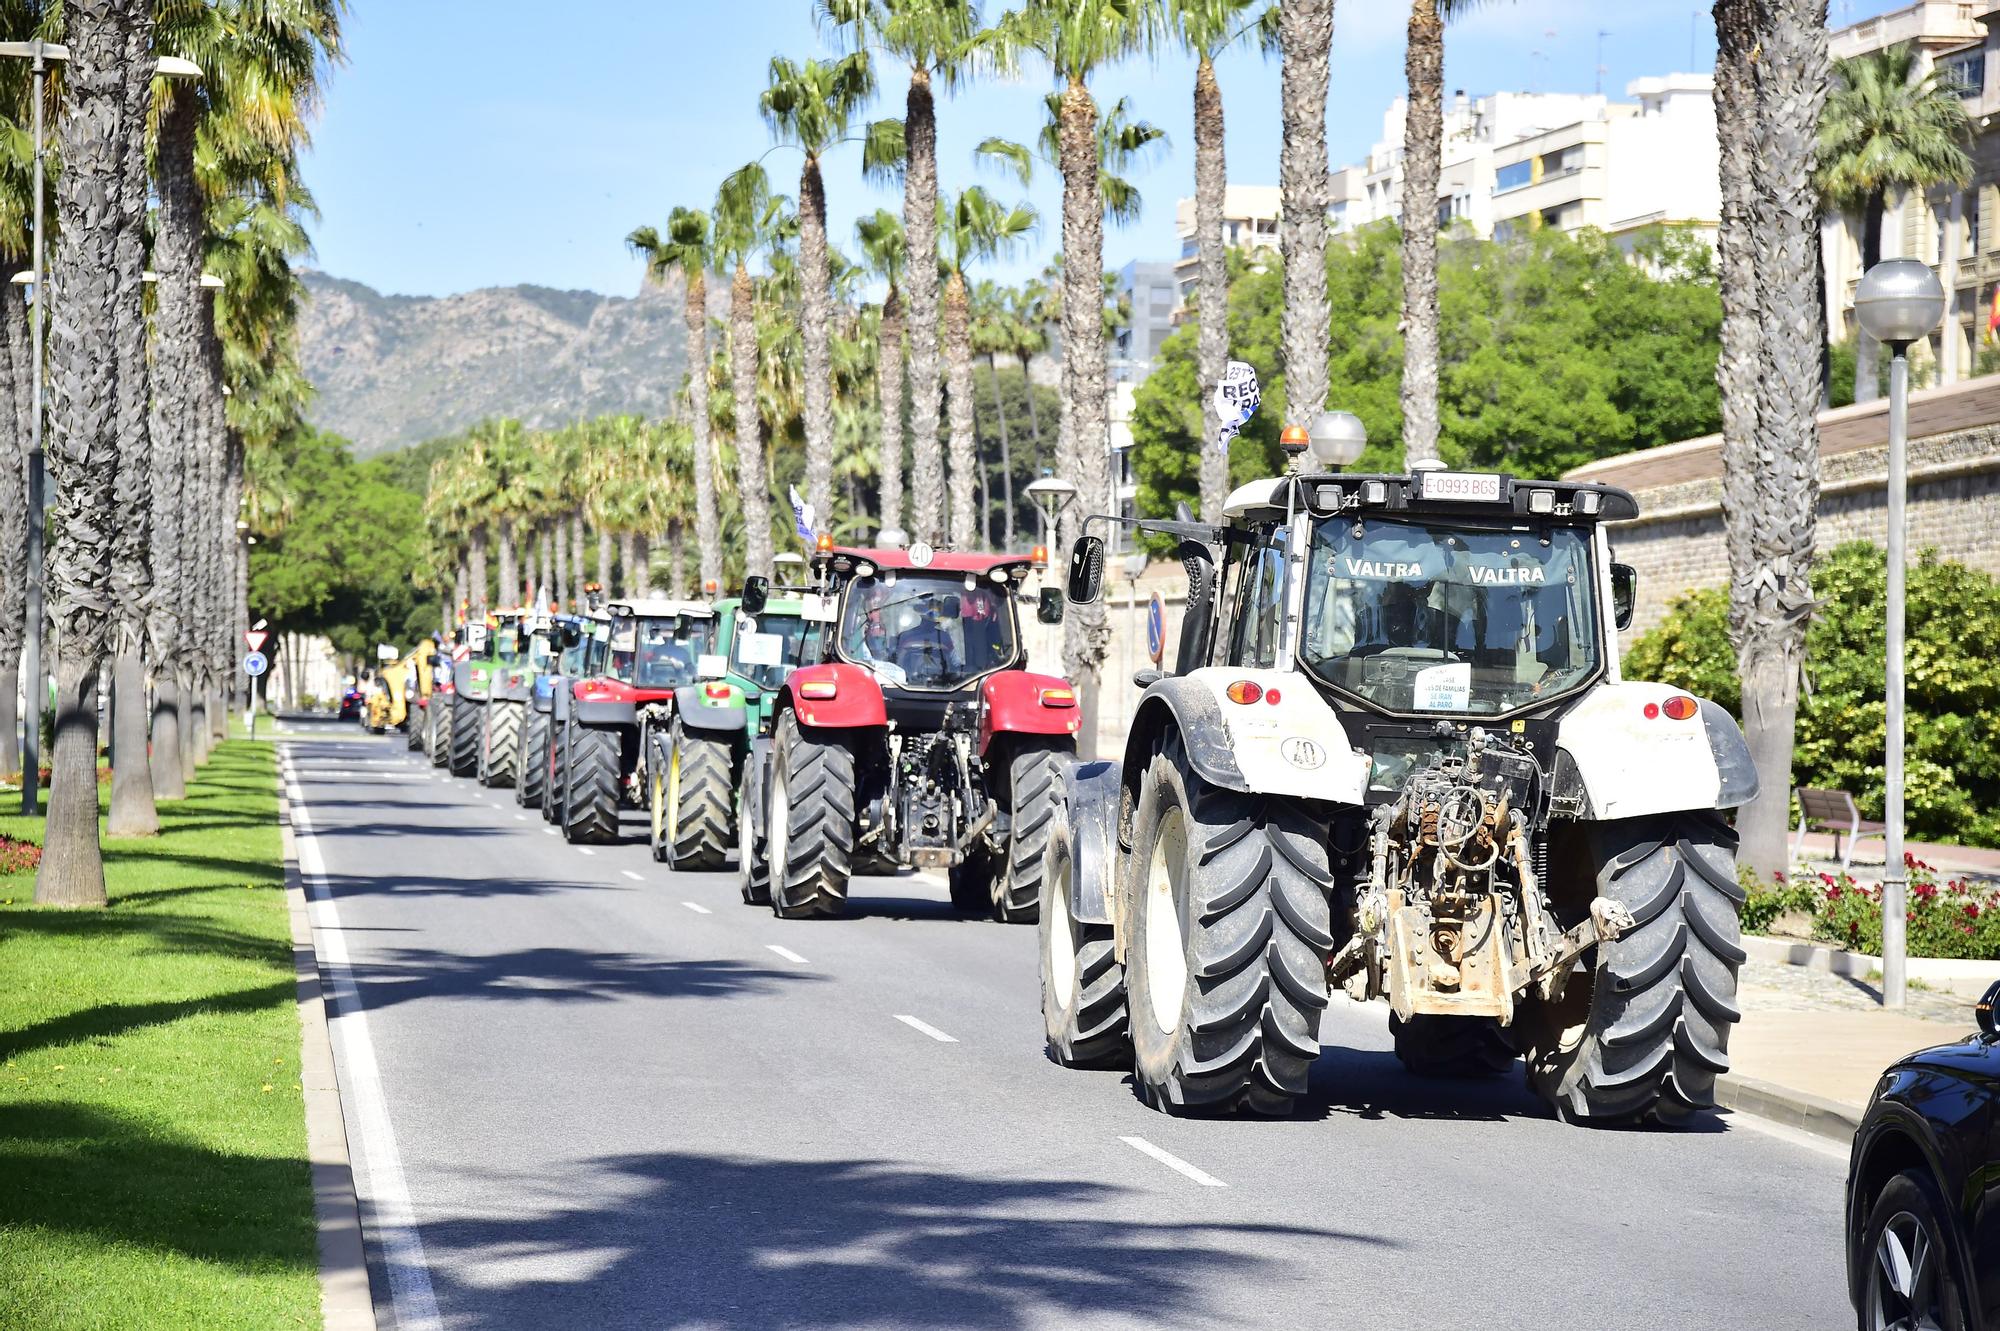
(590, 791)
(699, 768)
(1083, 984)
(753, 846)
(532, 761)
(468, 721)
(811, 821)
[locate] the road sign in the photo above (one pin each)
(255, 664)
(255, 639)
(1156, 628)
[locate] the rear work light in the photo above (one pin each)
(1058, 697)
(818, 688)
(1245, 691)
(1680, 707)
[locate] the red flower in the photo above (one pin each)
(1777, 876)
(1832, 893)
(1971, 910)
(1924, 891)
(1826, 878)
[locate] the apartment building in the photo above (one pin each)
(1249, 222)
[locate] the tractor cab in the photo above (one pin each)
(658, 645)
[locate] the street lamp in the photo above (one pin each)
(1052, 495)
(1898, 301)
(41, 55)
(1337, 438)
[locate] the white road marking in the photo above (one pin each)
(633, 876)
(700, 909)
(549, 830)
(492, 805)
(787, 954)
(585, 850)
(402, 1246)
(520, 817)
(1173, 1162)
(927, 1029)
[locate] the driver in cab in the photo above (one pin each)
(925, 647)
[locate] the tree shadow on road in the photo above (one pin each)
(559, 975)
(346, 886)
(686, 1240)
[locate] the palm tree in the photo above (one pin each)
(1305, 37)
(939, 40)
(1771, 82)
(993, 336)
(975, 226)
(1423, 140)
(747, 222)
(882, 242)
(1887, 127)
(1076, 38)
(1033, 313)
(686, 249)
(1122, 144)
(1207, 27)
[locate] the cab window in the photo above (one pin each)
(1260, 608)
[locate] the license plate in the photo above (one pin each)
(1461, 485)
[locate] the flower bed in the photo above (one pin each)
(18, 856)
(1948, 919)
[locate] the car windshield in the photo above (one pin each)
(927, 631)
(1417, 617)
(659, 653)
(768, 652)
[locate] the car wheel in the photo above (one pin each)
(1911, 1282)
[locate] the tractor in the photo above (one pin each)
(585, 646)
(410, 683)
(695, 759)
(445, 669)
(1396, 756)
(521, 652)
(557, 641)
(651, 650)
(918, 739)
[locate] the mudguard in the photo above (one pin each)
(1295, 746)
(700, 712)
(604, 712)
(1632, 764)
(1090, 795)
(856, 701)
(1021, 703)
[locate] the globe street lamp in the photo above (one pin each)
(1336, 439)
(1898, 301)
(1052, 495)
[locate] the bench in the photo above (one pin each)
(1833, 811)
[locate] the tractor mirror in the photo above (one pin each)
(1086, 569)
(1624, 593)
(1987, 1010)
(1049, 607)
(756, 591)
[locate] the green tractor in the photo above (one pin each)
(523, 651)
(493, 661)
(696, 752)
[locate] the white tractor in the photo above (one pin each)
(1396, 756)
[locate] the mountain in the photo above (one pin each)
(394, 370)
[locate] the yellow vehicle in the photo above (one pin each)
(409, 690)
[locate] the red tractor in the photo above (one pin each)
(918, 739)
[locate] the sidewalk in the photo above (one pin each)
(1818, 851)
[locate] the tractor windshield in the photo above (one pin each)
(659, 653)
(928, 631)
(541, 651)
(768, 654)
(1433, 617)
(507, 642)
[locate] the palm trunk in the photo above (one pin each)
(889, 381)
(461, 605)
(816, 333)
(14, 420)
(1305, 32)
(1423, 65)
(920, 186)
(1028, 383)
(187, 723)
(1083, 449)
(1006, 455)
(642, 563)
(707, 528)
(753, 491)
(561, 535)
(477, 573)
(1211, 285)
(628, 563)
(576, 553)
(1771, 599)
(676, 562)
(964, 443)
(604, 559)
(510, 584)
(132, 811)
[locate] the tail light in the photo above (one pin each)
(818, 688)
(719, 692)
(1245, 691)
(1680, 707)
(1058, 697)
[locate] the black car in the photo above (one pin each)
(353, 702)
(1923, 1190)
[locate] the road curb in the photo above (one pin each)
(1793, 1109)
(346, 1302)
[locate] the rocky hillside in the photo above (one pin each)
(393, 370)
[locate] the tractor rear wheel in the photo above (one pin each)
(1083, 984)
(590, 790)
(1227, 894)
(557, 772)
(1034, 782)
(753, 847)
(414, 727)
(1429, 1045)
(533, 763)
(468, 720)
(811, 821)
(503, 743)
(437, 732)
(1642, 1030)
(698, 801)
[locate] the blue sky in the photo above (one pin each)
(471, 143)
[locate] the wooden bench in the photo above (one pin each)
(1833, 811)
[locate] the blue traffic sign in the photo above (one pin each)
(255, 664)
(1156, 629)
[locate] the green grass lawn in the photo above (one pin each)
(152, 1132)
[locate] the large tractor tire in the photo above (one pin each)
(437, 733)
(468, 724)
(500, 756)
(693, 809)
(753, 863)
(1640, 1033)
(590, 788)
(556, 775)
(533, 764)
(1034, 782)
(1227, 898)
(811, 822)
(1429, 1045)
(415, 727)
(1083, 984)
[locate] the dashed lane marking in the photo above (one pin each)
(700, 909)
(549, 831)
(585, 850)
(1173, 1162)
(927, 1029)
(787, 954)
(637, 878)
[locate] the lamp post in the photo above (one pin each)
(1336, 439)
(1052, 495)
(41, 55)
(1897, 302)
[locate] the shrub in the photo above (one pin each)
(1763, 903)
(1953, 688)
(1948, 919)
(18, 856)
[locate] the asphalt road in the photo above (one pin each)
(583, 1091)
